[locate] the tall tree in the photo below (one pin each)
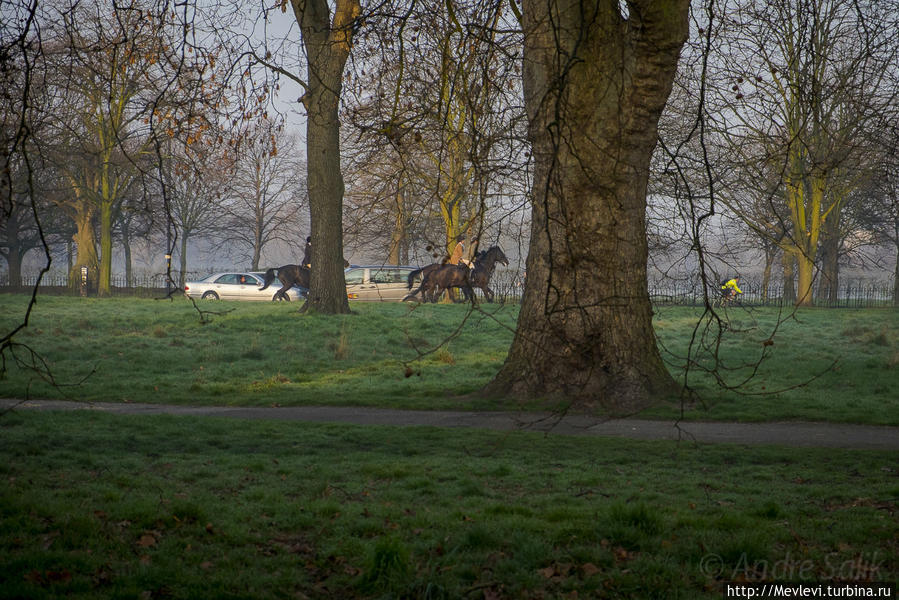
(805, 80)
(327, 39)
(597, 75)
(122, 81)
(196, 178)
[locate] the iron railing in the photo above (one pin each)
(508, 286)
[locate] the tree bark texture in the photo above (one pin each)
(831, 240)
(789, 277)
(86, 247)
(595, 86)
(328, 45)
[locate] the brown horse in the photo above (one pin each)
(421, 274)
(440, 278)
(289, 275)
(437, 278)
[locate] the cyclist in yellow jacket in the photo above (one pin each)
(730, 289)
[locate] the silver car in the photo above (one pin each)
(238, 286)
(385, 283)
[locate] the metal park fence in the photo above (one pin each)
(143, 285)
(852, 294)
(508, 286)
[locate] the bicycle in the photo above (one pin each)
(726, 298)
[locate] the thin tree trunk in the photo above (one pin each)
(770, 255)
(126, 248)
(105, 281)
(398, 253)
(789, 278)
(896, 279)
(830, 260)
(182, 277)
(595, 86)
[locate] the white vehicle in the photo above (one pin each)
(379, 283)
(237, 286)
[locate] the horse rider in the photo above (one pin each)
(456, 256)
(471, 253)
(307, 254)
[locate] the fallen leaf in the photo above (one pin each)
(59, 576)
(548, 572)
(589, 569)
(34, 576)
(206, 565)
(146, 541)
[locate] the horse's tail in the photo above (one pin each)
(411, 278)
(269, 278)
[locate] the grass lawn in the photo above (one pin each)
(102, 506)
(138, 350)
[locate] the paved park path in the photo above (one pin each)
(796, 434)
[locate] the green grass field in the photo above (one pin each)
(102, 506)
(844, 362)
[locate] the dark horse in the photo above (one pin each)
(484, 265)
(421, 274)
(289, 275)
(436, 278)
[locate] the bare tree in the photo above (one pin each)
(118, 81)
(804, 82)
(195, 177)
(265, 195)
(436, 101)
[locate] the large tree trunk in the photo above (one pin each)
(595, 86)
(86, 248)
(14, 265)
(327, 47)
(14, 248)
